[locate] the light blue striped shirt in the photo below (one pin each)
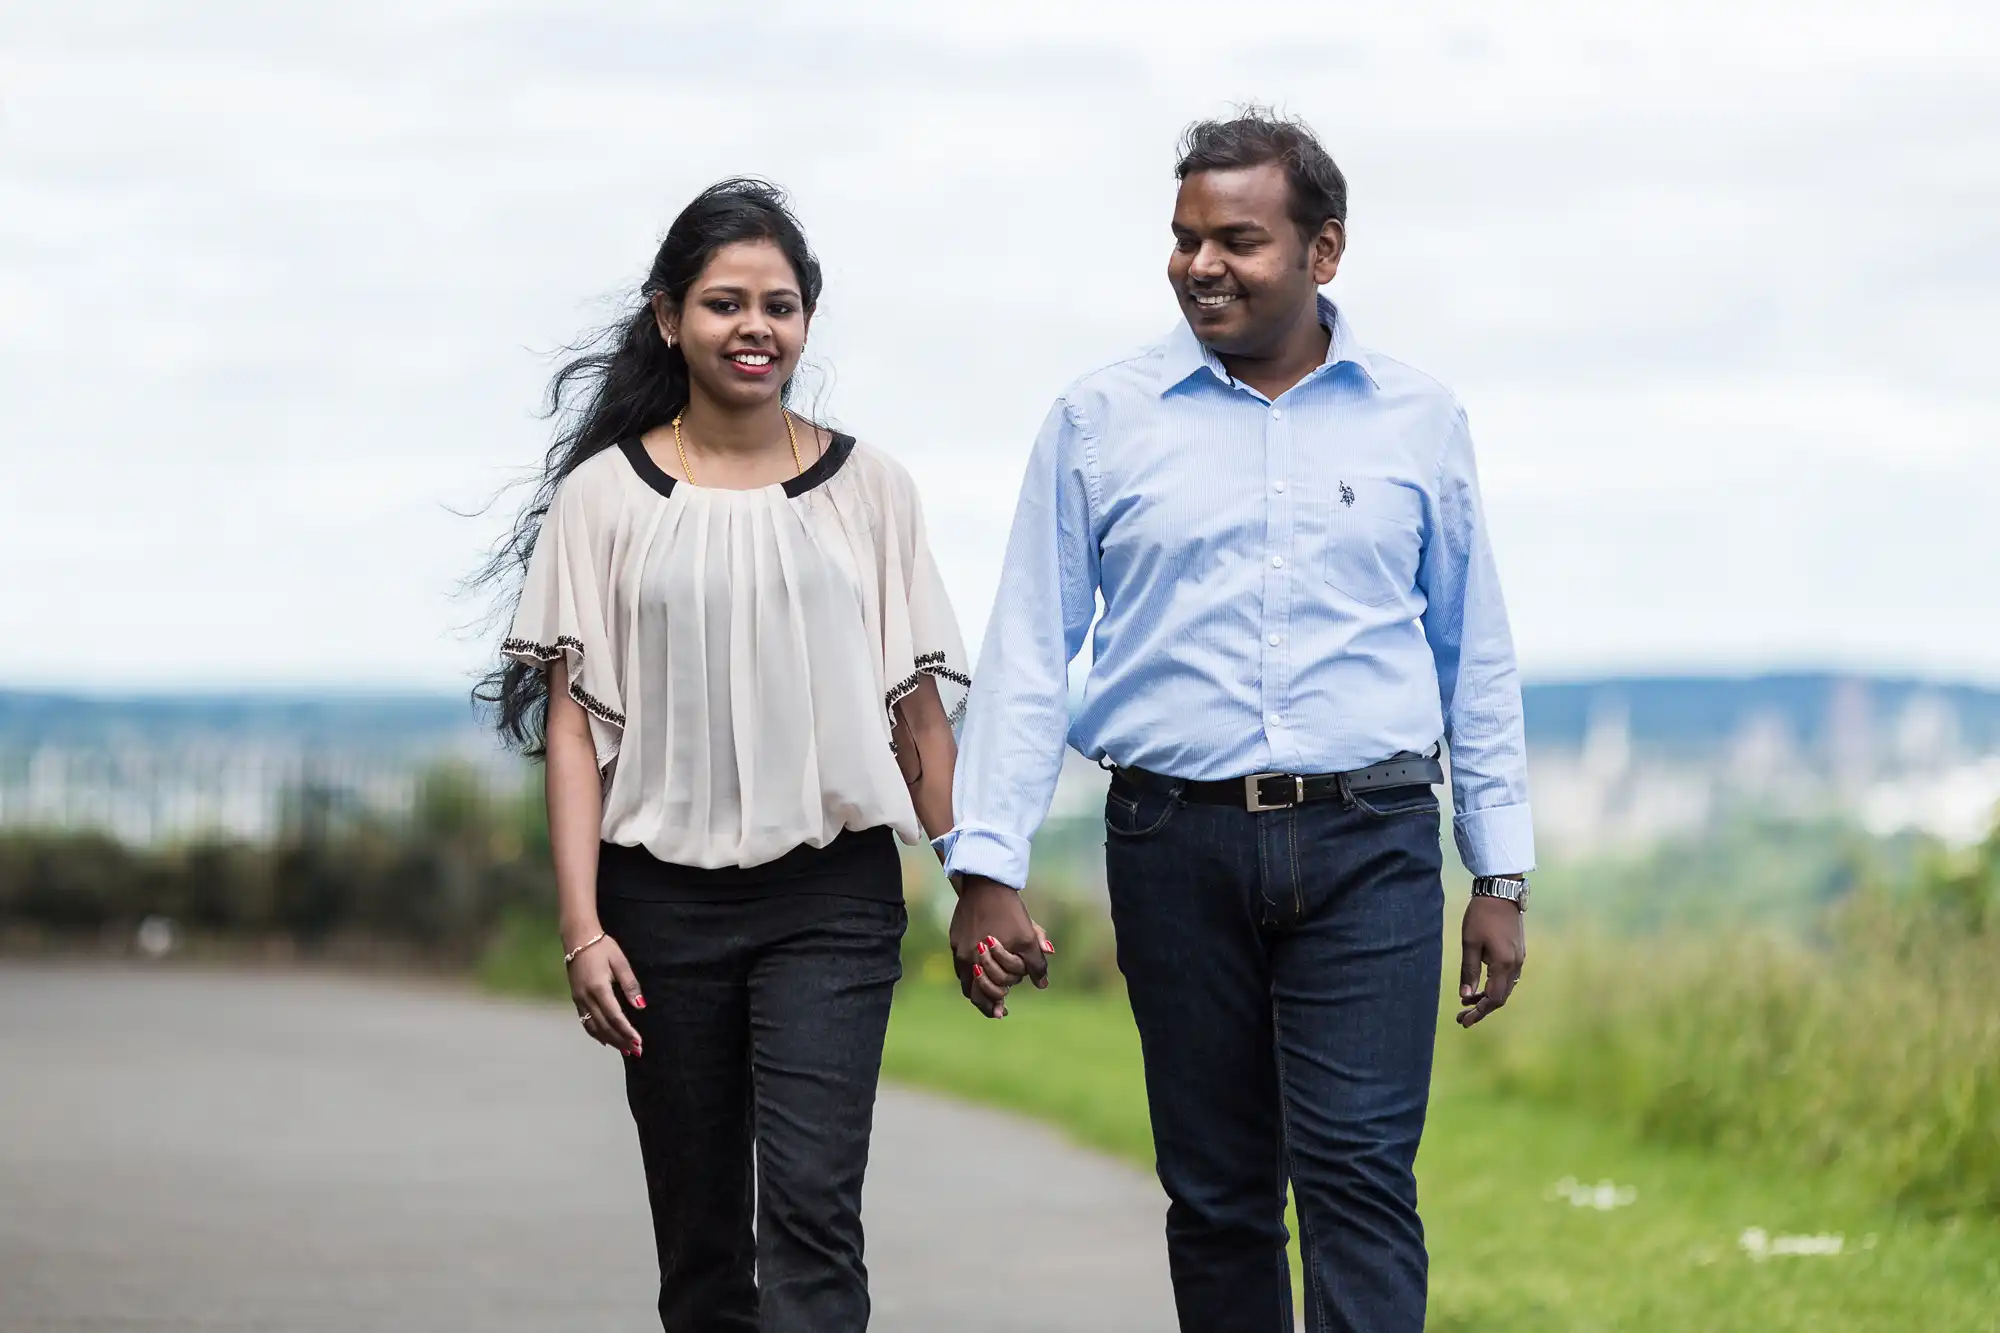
(1299, 585)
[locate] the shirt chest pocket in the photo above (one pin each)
(1373, 535)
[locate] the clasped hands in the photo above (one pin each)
(995, 944)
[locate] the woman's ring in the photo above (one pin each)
(583, 1019)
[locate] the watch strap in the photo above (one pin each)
(1495, 886)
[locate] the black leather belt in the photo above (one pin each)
(1281, 791)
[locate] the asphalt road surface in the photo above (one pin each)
(287, 1152)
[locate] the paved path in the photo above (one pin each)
(184, 1149)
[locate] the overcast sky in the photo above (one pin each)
(1719, 288)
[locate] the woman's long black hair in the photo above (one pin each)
(623, 381)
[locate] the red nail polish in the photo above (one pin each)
(638, 1002)
(982, 948)
(1048, 946)
(978, 971)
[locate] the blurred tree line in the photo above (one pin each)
(435, 881)
(463, 877)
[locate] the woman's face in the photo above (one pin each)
(742, 325)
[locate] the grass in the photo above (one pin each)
(1506, 1254)
(524, 957)
(1874, 1052)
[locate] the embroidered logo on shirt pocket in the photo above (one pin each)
(1374, 538)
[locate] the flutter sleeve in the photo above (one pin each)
(920, 635)
(565, 612)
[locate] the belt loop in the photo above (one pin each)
(1346, 792)
(1174, 792)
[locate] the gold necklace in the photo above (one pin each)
(681, 448)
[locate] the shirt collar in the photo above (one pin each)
(1184, 355)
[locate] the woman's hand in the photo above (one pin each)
(1003, 970)
(995, 944)
(596, 978)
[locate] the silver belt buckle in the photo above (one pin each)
(1253, 799)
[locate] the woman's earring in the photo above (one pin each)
(670, 340)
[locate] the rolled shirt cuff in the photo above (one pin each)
(985, 852)
(1499, 840)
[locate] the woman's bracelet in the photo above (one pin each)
(570, 957)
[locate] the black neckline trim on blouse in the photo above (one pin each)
(837, 451)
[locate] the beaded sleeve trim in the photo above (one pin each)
(929, 664)
(595, 707)
(542, 652)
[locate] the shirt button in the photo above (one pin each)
(1276, 640)
(1275, 720)
(1277, 562)
(1278, 486)
(1277, 414)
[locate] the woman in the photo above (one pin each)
(733, 647)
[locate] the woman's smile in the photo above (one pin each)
(752, 363)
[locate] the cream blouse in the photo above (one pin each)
(740, 652)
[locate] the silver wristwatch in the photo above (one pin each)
(1514, 891)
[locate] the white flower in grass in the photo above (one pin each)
(1761, 1245)
(1604, 1196)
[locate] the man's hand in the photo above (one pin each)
(1496, 935)
(994, 944)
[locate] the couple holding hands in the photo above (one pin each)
(735, 652)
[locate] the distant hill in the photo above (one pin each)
(377, 724)
(1663, 713)
(1697, 713)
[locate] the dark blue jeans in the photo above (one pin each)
(763, 1026)
(1283, 972)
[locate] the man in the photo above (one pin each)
(1299, 602)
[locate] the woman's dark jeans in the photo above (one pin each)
(763, 1034)
(1283, 969)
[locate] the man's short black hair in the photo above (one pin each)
(1318, 191)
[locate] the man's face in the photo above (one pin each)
(1243, 274)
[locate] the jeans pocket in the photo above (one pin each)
(1388, 802)
(1137, 812)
